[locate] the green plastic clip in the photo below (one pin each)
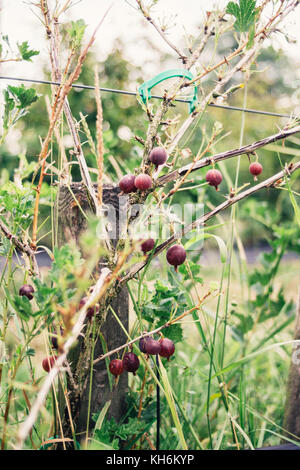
(146, 87)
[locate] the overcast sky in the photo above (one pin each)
(122, 23)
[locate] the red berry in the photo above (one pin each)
(214, 178)
(91, 310)
(27, 290)
(147, 245)
(152, 346)
(143, 342)
(255, 169)
(126, 184)
(176, 255)
(48, 363)
(167, 347)
(116, 367)
(143, 182)
(131, 362)
(158, 156)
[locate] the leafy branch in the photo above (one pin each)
(16, 102)
(25, 53)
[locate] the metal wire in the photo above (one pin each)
(132, 93)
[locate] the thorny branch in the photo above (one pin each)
(23, 247)
(160, 31)
(56, 113)
(249, 56)
(232, 199)
(245, 150)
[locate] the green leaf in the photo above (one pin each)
(23, 97)
(76, 32)
(170, 399)
(166, 299)
(25, 52)
(249, 357)
(30, 352)
(102, 415)
(9, 105)
(21, 305)
(245, 13)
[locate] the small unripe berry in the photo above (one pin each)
(147, 245)
(27, 290)
(48, 363)
(214, 178)
(176, 255)
(167, 347)
(131, 362)
(158, 156)
(255, 169)
(126, 184)
(152, 346)
(91, 310)
(116, 367)
(143, 182)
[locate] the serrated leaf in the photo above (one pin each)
(23, 97)
(25, 52)
(244, 12)
(21, 305)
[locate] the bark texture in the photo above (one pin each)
(71, 224)
(291, 421)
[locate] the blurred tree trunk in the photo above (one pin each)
(291, 422)
(71, 224)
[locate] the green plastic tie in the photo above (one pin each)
(146, 87)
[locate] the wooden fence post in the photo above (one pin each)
(71, 224)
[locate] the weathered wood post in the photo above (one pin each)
(291, 422)
(71, 224)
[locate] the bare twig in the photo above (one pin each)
(100, 148)
(147, 16)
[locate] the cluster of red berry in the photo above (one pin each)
(158, 156)
(130, 362)
(130, 183)
(176, 255)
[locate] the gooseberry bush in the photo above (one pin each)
(200, 338)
